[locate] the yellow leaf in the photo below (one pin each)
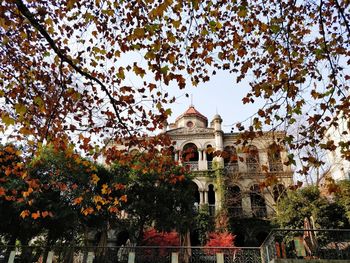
(95, 178)
(24, 213)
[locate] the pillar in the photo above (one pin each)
(201, 197)
(247, 205)
(205, 197)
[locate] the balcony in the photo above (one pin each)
(212, 210)
(193, 166)
(259, 211)
(276, 167)
(235, 211)
(231, 167)
(253, 167)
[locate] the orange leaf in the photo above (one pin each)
(45, 214)
(2, 191)
(36, 215)
(77, 200)
(124, 198)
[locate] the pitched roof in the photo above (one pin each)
(192, 112)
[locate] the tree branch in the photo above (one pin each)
(26, 13)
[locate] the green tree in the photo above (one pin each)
(343, 196)
(306, 202)
(158, 193)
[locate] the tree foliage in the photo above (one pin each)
(62, 196)
(65, 65)
(309, 202)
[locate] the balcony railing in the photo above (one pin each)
(235, 211)
(210, 165)
(212, 210)
(193, 166)
(253, 167)
(276, 167)
(259, 211)
(231, 167)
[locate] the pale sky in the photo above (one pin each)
(220, 95)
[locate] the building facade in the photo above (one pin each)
(228, 174)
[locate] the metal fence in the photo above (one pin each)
(130, 254)
(307, 244)
(281, 243)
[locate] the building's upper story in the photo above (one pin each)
(195, 144)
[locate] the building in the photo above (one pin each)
(228, 174)
(339, 158)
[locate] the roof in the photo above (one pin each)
(192, 112)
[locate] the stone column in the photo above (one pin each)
(246, 205)
(204, 155)
(200, 157)
(176, 156)
(201, 197)
(205, 197)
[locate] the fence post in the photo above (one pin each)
(49, 257)
(90, 258)
(220, 257)
(174, 257)
(12, 257)
(131, 258)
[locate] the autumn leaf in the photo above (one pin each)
(36, 215)
(25, 213)
(77, 200)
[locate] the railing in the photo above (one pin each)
(235, 211)
(193, 166)
(259, 211)
(253, 167)
(211, 210)
(308, 244)
(132, 254)
(276, 167)
(231, 167)
(210, 165)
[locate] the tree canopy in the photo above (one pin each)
(308, 201)
(64, 64)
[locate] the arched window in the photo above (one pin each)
(278, 191)
(190, 153)
(195, 191)
(274, 157)
(253, 159)
(190, 156)
(171, 150)
(257, 202)
(234, 201)
(230, 159)
(211, 199)
(210, 156)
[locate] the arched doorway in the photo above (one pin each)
(234, 201)
(278, 191)
(190, 156)
(211, 199)
(196, 194)
(257, 202)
